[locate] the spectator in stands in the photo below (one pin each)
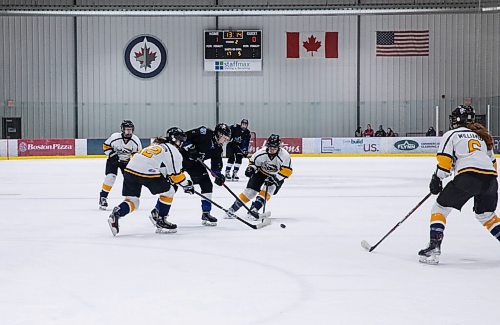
(431, 132)
(369, 131)
(359, 132)
(390, 133)
(380, 132)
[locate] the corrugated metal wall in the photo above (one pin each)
(182, 94)
(293, 97)
(37, 71)
(402, 92)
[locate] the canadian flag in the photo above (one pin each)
(312, 45)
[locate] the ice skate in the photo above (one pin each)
(208, 220)
(103, 203)
(230, 214)
(161, 223)
(113, 221)
(235, 176)
(430, 255)
(228, 175)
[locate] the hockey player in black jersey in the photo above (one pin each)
(203, 143)
(119, 147)
(467, 149)
(237, 148)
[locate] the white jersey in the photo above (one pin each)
(158, 160)
(124, 148)
(462, 150)
(280, 165)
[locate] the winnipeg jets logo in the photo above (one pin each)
(145, 56)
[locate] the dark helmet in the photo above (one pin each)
(462, 115)
(127, 124)
(244, 121)
(175, 134)
(273, 141)
(222, 129)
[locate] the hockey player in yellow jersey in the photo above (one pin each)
(268, 168)
(119, 147)
(466, 150)
(156, 167)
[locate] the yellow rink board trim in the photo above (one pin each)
(293, 155)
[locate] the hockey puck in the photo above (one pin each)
(283, 225)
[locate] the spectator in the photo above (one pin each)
(369, 131)
(380, 132)
(431, 132)
(390, 133)
(358, 133)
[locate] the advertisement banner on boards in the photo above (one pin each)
(46, 147)
(414, 145)
(351, 145)
(292, 145)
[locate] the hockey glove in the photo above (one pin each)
(219, 179)
(250, 171)
(113, 156)
(436, 185)
(271, 180)
(189, 188)
(192, 152)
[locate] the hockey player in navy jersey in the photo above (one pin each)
(157, 167)
(119, 147)
(237, 148)
(466, 150)
(203, 143)
(268, 168)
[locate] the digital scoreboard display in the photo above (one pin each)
(233, 45)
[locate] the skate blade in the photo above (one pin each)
(208, 223)
(265, 222)
(431, 260)
(114, 230)
(103, 208)
(165, 231)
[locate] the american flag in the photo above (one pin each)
(403, 43)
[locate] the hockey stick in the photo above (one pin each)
(253, 213)
(265, 200)
(369, 248)
(265, 221)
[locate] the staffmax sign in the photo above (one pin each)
(406, 145)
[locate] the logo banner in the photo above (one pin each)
(292, 145)
(46, 147)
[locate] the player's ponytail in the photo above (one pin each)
(483, 133)
(160, 140)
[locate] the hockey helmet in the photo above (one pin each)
(461, 116)
(222, 133)
(127, 124)
(273, 141)
(176, 136)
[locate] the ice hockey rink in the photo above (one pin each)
(61, 265)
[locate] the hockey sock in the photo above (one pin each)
(491, 222)
(206, 206)
(258, 203)
(108, 183)
(228, 167)
(163, 205)
(438, 223)
(236, 168)
(124, 209)
(236, 205)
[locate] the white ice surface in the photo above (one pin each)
(59, 263)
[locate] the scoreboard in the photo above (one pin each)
(233, 50)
